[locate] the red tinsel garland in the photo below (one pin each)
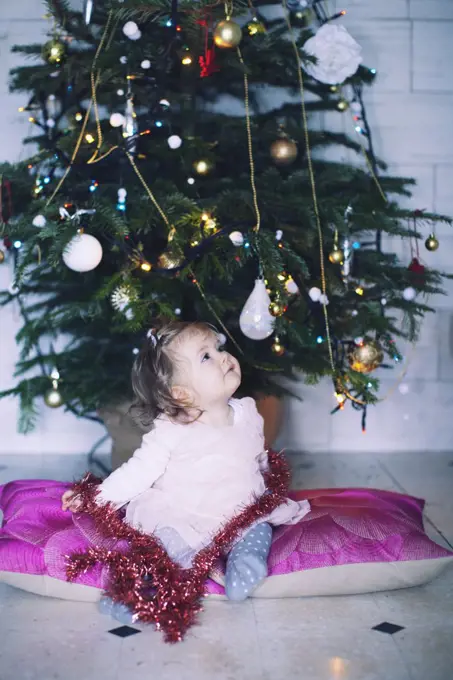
(171, 597)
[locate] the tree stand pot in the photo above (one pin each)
(126, 435)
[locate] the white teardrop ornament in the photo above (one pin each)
(255, 321)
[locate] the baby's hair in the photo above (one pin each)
(153, 372)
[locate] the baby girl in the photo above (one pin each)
(202, 459)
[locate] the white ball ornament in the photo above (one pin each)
(236, 238)
(409, 293)
(315, 294)
(291, 287)
(116, 119)
(174, 142)
(136, 36)
(39, 221)
(338, 55)
(83, 253)
(323, 299)
(146, 64)
(130, 28)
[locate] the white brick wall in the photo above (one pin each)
(22, 22)
(410, 109)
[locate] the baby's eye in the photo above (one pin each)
(205, 357)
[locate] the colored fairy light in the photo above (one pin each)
(319, 339)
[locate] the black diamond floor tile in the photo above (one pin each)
(389, 628)
(124, 631)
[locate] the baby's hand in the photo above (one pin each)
(70, 502)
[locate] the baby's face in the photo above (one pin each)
(210, 374)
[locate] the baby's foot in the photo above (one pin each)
(247, 563)
(116, 610)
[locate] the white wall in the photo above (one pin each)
(410, 109)
(22, 22)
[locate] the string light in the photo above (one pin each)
(201, 167)
(78, 116)
(186, 61)
(89, 138)
(145, 266)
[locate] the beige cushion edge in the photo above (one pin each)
(41, 584)
(344, 579)
(353, 579)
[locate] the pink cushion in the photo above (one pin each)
(353, 540)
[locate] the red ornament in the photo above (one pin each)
(417, 271)
(142, 575)
(207, 62)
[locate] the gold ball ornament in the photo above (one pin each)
(2, 256)
(54, 51)
(53, 398)
(336, 256)
(169, 259)
(277, 308)
(431, 243)
(278, 348)
(256, 27)
(227, 34)
(284, 151)
(365, 357)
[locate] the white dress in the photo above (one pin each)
(186, 481)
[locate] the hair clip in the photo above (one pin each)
(151, 335)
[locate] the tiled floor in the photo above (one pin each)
(309, 639)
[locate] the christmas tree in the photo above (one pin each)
(181, 171)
